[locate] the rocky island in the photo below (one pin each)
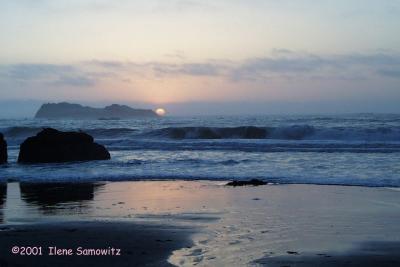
(75, 111)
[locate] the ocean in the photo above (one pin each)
(356, 149)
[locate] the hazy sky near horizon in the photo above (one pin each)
(177, 51)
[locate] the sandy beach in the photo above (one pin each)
(202, 223)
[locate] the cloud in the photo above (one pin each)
(390, 73)
(62, 75)
(108, 64)
(281, 65)
(376, 59)
(161, 68)
(200, 69)
(36, 71)
(178, 54)
(287, 63)
(258, 67)
(191, 69)
(75, 81)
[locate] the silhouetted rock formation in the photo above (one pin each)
(51, 145)
(3, 196)
(3, 150)
(75, 111)
(254, 182)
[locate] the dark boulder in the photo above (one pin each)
(254, 182)
(3, 150)
(51, 146)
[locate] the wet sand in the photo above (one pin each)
(125, 244)
(368, 254)
(204, 223)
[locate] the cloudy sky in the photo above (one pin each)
(193, 54)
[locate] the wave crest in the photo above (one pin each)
(295, 132)
(22, 131)
(109, 132)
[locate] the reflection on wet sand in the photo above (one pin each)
(289, 223)
(51, 196)
(3, 196)
(43, 202)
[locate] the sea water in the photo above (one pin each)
(356, 149)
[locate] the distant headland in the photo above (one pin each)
(66, 110)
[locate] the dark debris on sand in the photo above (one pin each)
(253, 182)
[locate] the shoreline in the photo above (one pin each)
(215, 225)
(221, 182)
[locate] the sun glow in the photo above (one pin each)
(160, 112)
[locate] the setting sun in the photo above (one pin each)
(160, 111)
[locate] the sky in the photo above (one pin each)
(200, 57)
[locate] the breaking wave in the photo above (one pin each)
(21, 131)
(110, 132)
(295, 132)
